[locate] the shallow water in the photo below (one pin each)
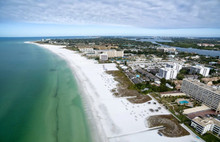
(39, 99)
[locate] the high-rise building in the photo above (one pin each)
(170, 71)
(202, 93)
(175, 66)
(200, 69)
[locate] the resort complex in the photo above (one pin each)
(109, 71)
(185, 91)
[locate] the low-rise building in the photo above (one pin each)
(172, 93)
(111, 53)
(205, 44)
(148, 75)
(202, 125)
(87, 50)
(103, 57)
(167, 49)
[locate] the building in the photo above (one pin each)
(200, 69)
(170, 71)
(167, 49)
(167, 73)
(156, 59)
(148, 76)
(87, 50)
(205, 44)
(202, 93)
(172, 93)
(175, 66)
(202, 125)
(111, 53)
(103, 57)
(195, 57)
(213, 63)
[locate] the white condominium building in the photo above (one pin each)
(167, 73)
(175, 66)
(200, 69)
(170, 71)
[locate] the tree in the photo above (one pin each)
(125, 63)
(163, 81)
(212, 71)
(180, 76)
(184, 71)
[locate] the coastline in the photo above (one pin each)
(111, 118)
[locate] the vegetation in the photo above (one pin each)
(216, 82)
(208, 137)
(126, 88)
(121, 42)
(172, 126)
(192, 43)
(72, 48)
(182, 73)
(180, 76)
(154, 88)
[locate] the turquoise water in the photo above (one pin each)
(183, 102)
(39, 99)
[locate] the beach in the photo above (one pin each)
(112, 119)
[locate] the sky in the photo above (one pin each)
(19, 18)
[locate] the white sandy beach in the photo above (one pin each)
(116, 119)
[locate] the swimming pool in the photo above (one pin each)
(183, 102)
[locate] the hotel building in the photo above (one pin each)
(202, 93)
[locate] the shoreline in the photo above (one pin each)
(89, 111)
(108, 115)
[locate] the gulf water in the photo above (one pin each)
(39, 98)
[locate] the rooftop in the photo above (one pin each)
(206, 121)
(199, 66)
(199, 111)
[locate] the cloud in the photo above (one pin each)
(138, 13)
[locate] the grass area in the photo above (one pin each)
(72, 48)
(126, 88)
(122, 79)
(210, 138)
(172, 126)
